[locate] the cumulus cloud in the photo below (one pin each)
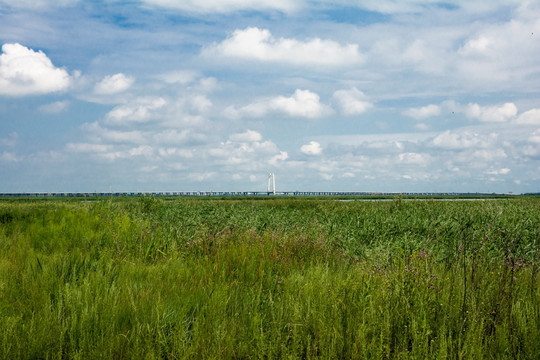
(111, 152)
(480, 45)
(259, 44)
(502, 54)
(313, 148)
(500, 113)
(55, 107)
(424, 112)
(115, 136)
(24, 71)
(530, 117)
(458, 141)
(279, 158)
(135, 112)
(199, 103)
(113, 84)
(351, 102)
(247, 136)
(303, 103)
(173, 151)
(97, 133)
(185, 136)
(491, 113)
(247, 156)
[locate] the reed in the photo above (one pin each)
(285, 278)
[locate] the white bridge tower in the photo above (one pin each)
(271, 183)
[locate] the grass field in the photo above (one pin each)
(284, 278)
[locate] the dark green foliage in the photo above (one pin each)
(193, 278)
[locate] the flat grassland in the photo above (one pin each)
(278, 278)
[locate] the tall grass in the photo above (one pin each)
(148, 278)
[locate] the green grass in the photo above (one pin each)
(286, 278)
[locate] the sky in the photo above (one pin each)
(213, 95)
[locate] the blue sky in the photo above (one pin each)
(185, 95)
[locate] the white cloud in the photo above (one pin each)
(532, 151)
(87, 147)
(501, 113)
(207, 84)
(55, 107)
(491, 113)
(351, 102)
(256, 44)
(173, 136)
(480, 46)
(37, 4)
(183, 153)
(313, 148)
(113, 84)
(423, 112)
(421, 127)
(414, 158)
(393, 6)
(459, 141)
(530, 117)
(225, 6)
(303, 103)
(136, 112)
(116, 136)
(535, 137)
(142, 150)
(10, 140)
(181, 77)
(246, 156)
(111, 153)
(10, 157)
(502, 171)
(200, 103)
(282, 156)
(424, 55)
(26, 72)
(326, 176)
(202, 176)
(486, 155)
(502, 53)
(247, 136)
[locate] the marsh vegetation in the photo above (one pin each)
(283, 278)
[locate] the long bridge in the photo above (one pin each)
(231, 194)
